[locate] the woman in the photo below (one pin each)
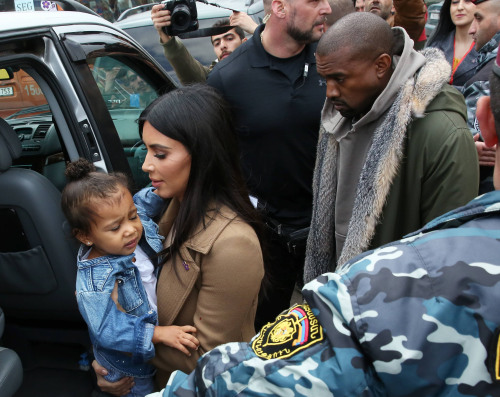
(212, 265)
(452, 37)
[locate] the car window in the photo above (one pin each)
(26, 109)
(18, 90)
(126, 93)
(24, 106)
(120, 85)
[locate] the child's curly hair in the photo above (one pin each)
(86, 189)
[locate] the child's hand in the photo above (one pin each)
(177, 337)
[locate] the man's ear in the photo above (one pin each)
(382, 64)
(278, 7)
(486, 121)
(244, 39)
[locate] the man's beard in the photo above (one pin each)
(300, 36)
(384, 14)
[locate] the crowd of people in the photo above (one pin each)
(334, 148)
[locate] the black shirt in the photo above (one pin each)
(277, 107)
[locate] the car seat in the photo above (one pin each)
(37, 254)
(11, 370)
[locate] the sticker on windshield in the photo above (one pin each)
(48, 6)
(24, 5)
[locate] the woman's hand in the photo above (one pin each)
(119, 388)
(177, 337)
(161, 18)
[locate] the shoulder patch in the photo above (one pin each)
(494, 357)
(291, 332)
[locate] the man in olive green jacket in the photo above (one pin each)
(394, 150)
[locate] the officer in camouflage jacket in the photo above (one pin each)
(418, 317)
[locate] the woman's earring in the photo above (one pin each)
(89, 243)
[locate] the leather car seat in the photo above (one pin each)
(37, 254)
(11, 370)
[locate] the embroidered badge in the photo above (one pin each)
(292, 332)
(494, 356)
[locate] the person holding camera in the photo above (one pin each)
(188, 69)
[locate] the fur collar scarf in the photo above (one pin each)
(381, 166)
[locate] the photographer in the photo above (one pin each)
(188, 69)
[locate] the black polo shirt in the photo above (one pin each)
(277, 107)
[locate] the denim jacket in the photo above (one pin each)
(122, 340)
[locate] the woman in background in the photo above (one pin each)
(452, 37)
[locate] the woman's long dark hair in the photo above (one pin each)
(199, 118)
(445, 24)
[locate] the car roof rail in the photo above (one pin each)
(135, 10)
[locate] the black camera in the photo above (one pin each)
(183, 14)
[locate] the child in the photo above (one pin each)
(118, 307)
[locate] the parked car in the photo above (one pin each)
(433, 18)
(137, 22)
(79, 84)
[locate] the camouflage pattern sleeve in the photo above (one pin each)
(421, 313)
(290, 357)
(418, 317)
(471, 94)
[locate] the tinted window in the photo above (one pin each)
(126, 93)
(19, 92)
(30, 116)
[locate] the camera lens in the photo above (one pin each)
(181, 17)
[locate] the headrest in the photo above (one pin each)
(10, 145)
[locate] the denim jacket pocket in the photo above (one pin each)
(129, 294)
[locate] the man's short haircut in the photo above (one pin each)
(366, 35)
(340, 8)
(225, 22)
(268, 8)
